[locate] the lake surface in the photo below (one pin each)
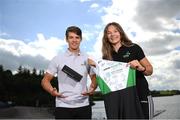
(170, 105)
(165, 108)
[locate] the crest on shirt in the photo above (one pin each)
(126, 55)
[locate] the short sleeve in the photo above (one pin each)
(139, 52)
(53, 66)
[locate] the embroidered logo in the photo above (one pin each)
(126, 55)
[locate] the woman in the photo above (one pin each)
(131, 102)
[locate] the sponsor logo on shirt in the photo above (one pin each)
(126, 55)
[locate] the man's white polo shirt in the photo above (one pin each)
(67, 86)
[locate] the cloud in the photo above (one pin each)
(3, 34)
(47, 47)
(166, 71)
(162, 43)
(94, 5)
(84, 1)
(14, 53)
(157, 15)
(87, 35)
(120, 11)
(12, 62)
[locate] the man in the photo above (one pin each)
(72, 100)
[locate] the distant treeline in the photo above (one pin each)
(156, 93)
(24, 88)
(98, 95)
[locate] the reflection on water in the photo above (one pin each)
(165, 108)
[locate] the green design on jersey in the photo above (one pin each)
(106, 89)
(131, 78)
(102, 85)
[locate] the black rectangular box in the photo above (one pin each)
(71, 73)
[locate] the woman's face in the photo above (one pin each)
(113, 35)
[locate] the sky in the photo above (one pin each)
(32, 32)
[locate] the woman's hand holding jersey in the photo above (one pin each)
(143, 65)
(136, 65)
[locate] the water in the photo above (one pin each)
(170, 105)
(98, 111)
(165, 108)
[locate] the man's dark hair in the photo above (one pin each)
(75, 30)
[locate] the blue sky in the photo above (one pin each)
(23, 19)
(32, 31)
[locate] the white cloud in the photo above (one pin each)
(94, 5)
(87, 35)
(96, 54)
(47, 47)
(4, 34)
(44, 47)
(84, 1)
(34, 54)
(120, 11)
(166, 71)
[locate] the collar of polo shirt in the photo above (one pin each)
(69, 53)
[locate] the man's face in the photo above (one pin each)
(73, 41)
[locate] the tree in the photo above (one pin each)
(34, 71)
(1, 68)
(20, 69)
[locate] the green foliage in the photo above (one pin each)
(24, 88)
(165, 93)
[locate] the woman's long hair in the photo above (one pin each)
(107, 48)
